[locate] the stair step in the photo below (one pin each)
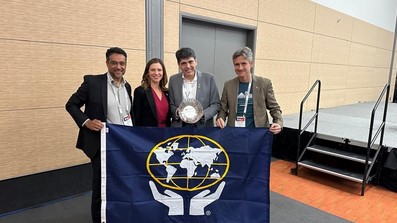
(342, 140)
(340, 153)
(356, 177)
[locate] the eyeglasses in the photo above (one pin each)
(115, 63)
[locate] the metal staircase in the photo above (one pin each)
(342, 157)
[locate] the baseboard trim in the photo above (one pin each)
(32, 190)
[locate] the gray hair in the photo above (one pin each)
(245, 52)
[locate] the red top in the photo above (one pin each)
(162, 108)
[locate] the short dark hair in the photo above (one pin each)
(114, 50)
(184, 53)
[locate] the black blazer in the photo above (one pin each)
(144, 108)
(93, 94)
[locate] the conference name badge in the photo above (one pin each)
(240, 121)
(127, 120)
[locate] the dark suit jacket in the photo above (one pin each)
(144, 108)
(93, 94)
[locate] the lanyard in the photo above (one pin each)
(188, 88)
(247, 96)
(119, 102)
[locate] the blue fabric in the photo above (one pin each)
(239, 174)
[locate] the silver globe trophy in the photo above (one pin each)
(190, 110)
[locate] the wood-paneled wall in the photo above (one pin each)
(47, 46)
(299, 42)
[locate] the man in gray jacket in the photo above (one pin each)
(191, 83)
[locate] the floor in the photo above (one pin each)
(73, 209)
(334, 195)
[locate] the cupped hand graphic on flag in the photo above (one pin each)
(201, 200)
(174, 201)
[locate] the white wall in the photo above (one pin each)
(381, 13)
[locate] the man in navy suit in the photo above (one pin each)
(192, 83)
(107, 98)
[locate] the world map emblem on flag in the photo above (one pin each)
(187, 163)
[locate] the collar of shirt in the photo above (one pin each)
(187, 81)
(112, 82)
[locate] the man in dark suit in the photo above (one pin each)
(107, 98)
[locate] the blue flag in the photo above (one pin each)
(186, 175)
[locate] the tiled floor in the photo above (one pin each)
(334, 195)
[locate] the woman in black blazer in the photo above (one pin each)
(151, 101)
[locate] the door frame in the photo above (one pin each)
(251, 30)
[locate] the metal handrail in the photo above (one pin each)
(314, 117)
(380, 130)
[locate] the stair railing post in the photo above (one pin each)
(301, 131)
(317, 106)
(371, 140)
